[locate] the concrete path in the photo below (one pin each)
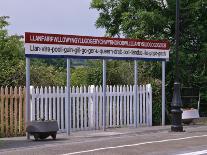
(145, 140)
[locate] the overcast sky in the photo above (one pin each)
(51, 16)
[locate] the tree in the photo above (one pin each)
(155, 19)
(12, 63)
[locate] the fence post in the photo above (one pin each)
(32, 104)
(149, 92)
(92, 106)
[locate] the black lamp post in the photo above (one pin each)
(176, 101)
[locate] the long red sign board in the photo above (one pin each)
(58, 45)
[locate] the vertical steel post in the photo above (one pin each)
(135, 93)
(104, 94)
(163, 93)
(68, 103)
(28, 93)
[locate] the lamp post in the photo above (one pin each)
(176, 101)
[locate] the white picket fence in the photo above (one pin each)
(86, 106)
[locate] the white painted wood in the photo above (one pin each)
(144, 105)
(118, 106)
(140, 108)
(85, 106)
(50, 103)
(41, 104)
(107, 106)
(38, 103)
(91, 108)
(81, 107)
(77, 109)
(147, 108)
(33, 103)
(138, 105)
(46, 103)
(73, 103)
(114, 105)
(128, 112)
(100, 90)
(62, 107)
(54, 105)
(121, 105)
(97, 107)
(58, 106)
(131, 104)
(111, 106)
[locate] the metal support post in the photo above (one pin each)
(135, 93)
(68, 103)
(163, 93)
(104, 94)
(28, 93)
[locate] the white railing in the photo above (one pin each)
(86, 106)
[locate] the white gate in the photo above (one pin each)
(87, 106)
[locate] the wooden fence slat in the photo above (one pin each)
(11, 113)
(2, 112)
(6, 111)
(15, 111)
(20, 111)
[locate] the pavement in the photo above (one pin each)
(112, 141)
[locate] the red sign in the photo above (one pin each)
(95, 47)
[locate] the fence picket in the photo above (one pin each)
(107, 106)
(77, 108)
(50, 102)
(121, 105)
(118, 106)
(128, 112)
(16, 118)
(131, 104)
(85, 107)
(144, 105)
(20, 111)
(6, 111)
(114, 105)
(111, 106)
(73, 103)
(2, 112)
(46, 103)
(97, 107)
(100, 90)
(62, 107)
(54, 105)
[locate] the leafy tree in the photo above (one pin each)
(155, 19)
(12, 63)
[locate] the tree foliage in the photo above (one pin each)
(155, 19)
(12, 63)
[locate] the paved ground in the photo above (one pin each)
(145, 140)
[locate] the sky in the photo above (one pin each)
(51, 16)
